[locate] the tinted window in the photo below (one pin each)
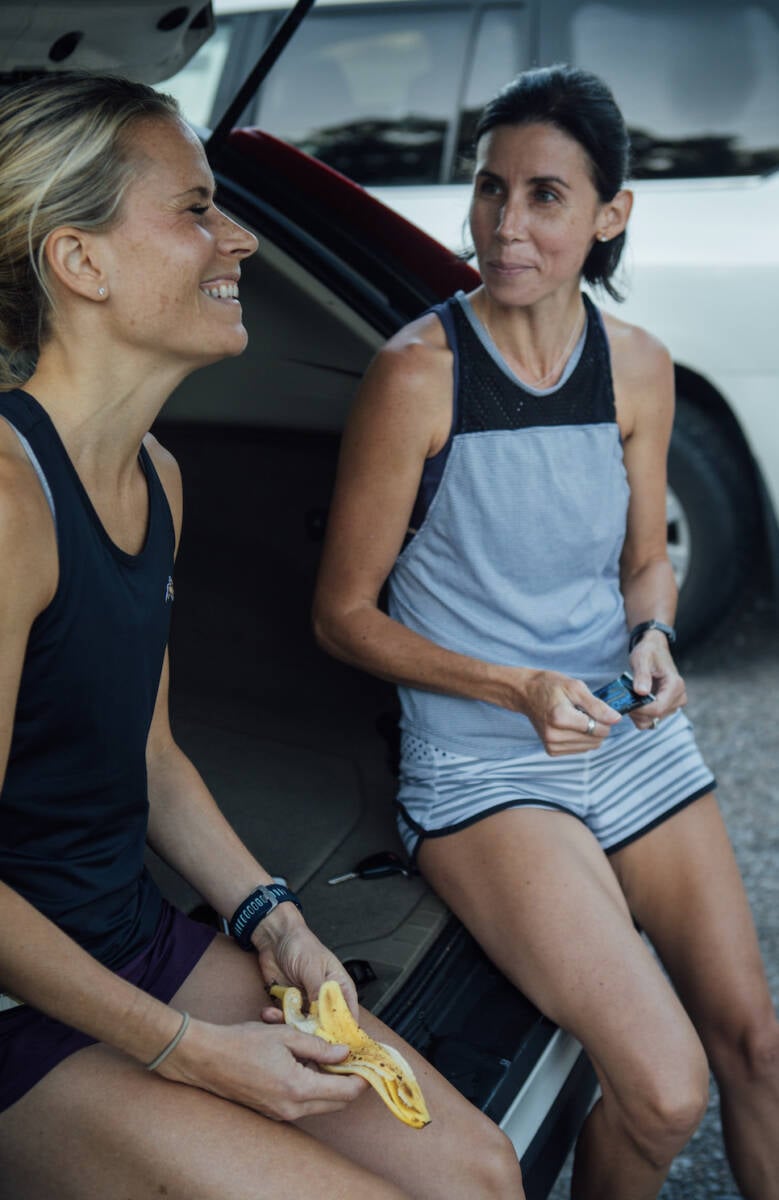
(698, 83)
(501, 49)
(375, 94)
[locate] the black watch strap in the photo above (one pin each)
(255, 908)
(638, 631)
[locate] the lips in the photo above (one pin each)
(510, 268)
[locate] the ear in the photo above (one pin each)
(73, 259)
(613, 216)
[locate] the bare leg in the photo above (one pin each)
(541, 898)
(683, 885)
(461, 1155)
(114, 1130)
(99, 1126)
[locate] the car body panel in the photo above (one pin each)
(148, 40)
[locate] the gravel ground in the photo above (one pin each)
(732, 683)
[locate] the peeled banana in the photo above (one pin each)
(382, 1066)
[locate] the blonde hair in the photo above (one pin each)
(65, 159)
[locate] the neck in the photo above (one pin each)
(102, 404)
(536, 341)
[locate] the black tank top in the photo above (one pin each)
(74, 806)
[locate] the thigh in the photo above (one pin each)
(434, 1162)
(114, 1130)
(538, 893)
(682, 883)
(460, 1155)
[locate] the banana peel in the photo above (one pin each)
(384, 1068)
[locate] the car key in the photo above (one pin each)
(375, 866)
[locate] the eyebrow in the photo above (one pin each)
(199, 190)
(535, 180)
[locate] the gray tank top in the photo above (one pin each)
(519, 527)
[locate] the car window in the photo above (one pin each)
(698, 84)
(501, 49)
(371, 94)
(378, 94)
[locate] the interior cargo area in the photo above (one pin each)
(296, 747)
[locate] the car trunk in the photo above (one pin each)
(295, 746)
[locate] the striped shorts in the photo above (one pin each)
(621, 790)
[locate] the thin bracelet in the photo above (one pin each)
(171, 1046)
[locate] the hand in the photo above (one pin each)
(271, 1069)
(654, 670)
(560, 709)
(289, 953)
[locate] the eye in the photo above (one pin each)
(200, 209)
(545, 195)
(485, 186)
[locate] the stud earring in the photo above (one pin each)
(101, 291)
(602, 237)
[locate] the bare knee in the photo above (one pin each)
(747, 1053)
(492, 1165)
(665, 1113)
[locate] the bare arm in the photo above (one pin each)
(42, 966)
(402, 416)
(38, 962)
(644, 384)
(188, 830)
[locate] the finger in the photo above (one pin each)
(339, 1091)
(322, 1094)
(591, 706)
(350, 992)
(308, 1048)
(578, 741)
(645, 723)
(642, 679)
(272, 1016)
(591, 724)
(272, 973)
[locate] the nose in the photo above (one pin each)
(234, 240)
(512, 225)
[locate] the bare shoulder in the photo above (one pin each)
(28, 545)
(417, 354)
(164, 462)
(635, 351)
(410, 381)
(642, 369)
(170, 476)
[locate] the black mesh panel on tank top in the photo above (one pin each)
(488, 399)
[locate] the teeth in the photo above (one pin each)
(222, 291)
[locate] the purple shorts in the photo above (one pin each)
(32, 1044)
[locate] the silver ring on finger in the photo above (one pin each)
(655, 722)
(590, 725)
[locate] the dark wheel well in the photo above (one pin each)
(713, 476)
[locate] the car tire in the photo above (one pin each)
(712, 512)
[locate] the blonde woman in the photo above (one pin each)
(133, 1058)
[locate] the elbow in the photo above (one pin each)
(342, 629)
(325, 626)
